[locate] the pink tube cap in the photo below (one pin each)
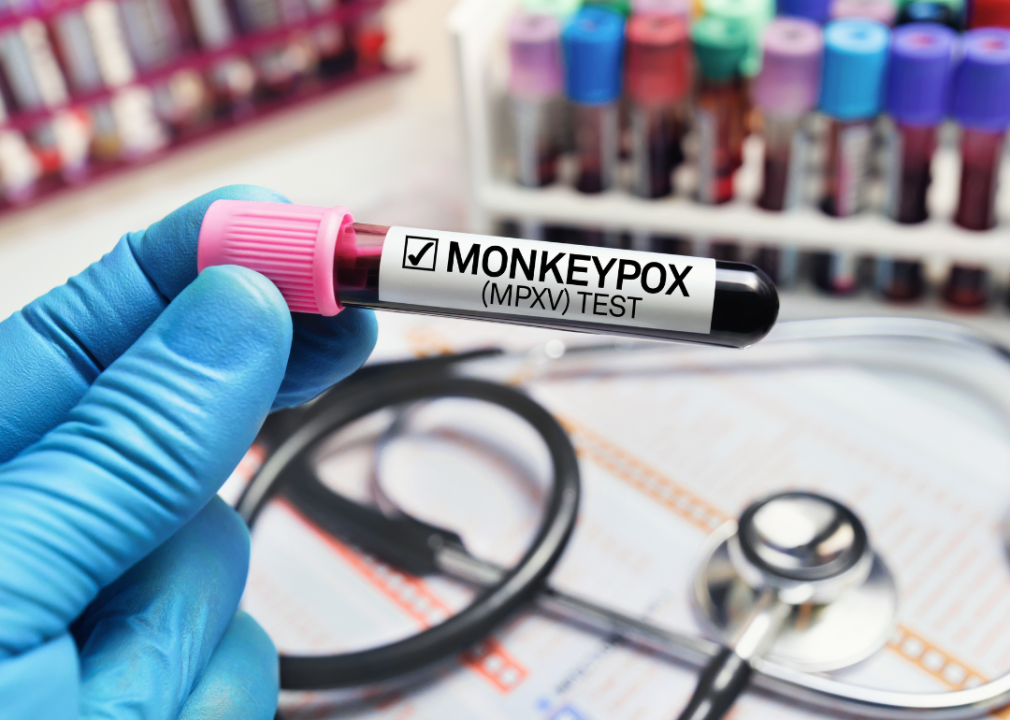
(790, 75)
(293, 245)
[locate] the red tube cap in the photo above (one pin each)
(658, 60)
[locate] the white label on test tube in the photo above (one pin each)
(528, 278)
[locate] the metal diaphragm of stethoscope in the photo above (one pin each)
(790, 590)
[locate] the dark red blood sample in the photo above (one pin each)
(980, 152)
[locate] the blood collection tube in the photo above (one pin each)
(657, 82)
(818, 11)
(852, 79)
(593, 44)
(719, 45)
(882, 11)
(786, 93)
(981, 106)
(918, 76)
(322, 261)
(535, 80)
(535, 84)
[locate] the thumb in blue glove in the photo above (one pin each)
(127, 396)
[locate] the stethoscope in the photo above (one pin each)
(791, 589)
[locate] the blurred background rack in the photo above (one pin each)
(95, 88)
(500, 204)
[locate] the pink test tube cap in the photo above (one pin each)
(790, 76)
(293, 245)
(535, 55)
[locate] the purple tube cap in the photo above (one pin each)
(790, 76)
(883, 11)
(981, 99)
(535, 57)
(918, 73)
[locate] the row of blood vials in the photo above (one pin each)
(878, 91)
(55, 51)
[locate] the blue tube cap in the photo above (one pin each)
(593, 42)
(855, 60)
(981, 99)
(918, 73)
(817, 10)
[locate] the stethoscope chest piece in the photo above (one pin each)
(811, 553)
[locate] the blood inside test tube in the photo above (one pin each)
(596, 128)
(720, 46)
(593, 43)
(980, 156)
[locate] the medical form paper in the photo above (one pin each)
(669, 450)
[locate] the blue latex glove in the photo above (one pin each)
(127, 396)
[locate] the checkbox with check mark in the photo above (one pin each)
(419, 253)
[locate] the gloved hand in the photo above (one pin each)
(127, 397)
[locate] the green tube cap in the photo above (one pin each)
(720, 45)
(619, 6)
(755, 14)
(560, 9)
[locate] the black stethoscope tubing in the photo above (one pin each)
(290, 466)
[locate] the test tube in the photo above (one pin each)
(981, 106)
(658, 79)
(852, 80)
(786, 92)
(882, 11)
(719, 47)
(755, 16)
(918, 76)
(593, 44)
(322, 260)
(535, 80)
(818, 11)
